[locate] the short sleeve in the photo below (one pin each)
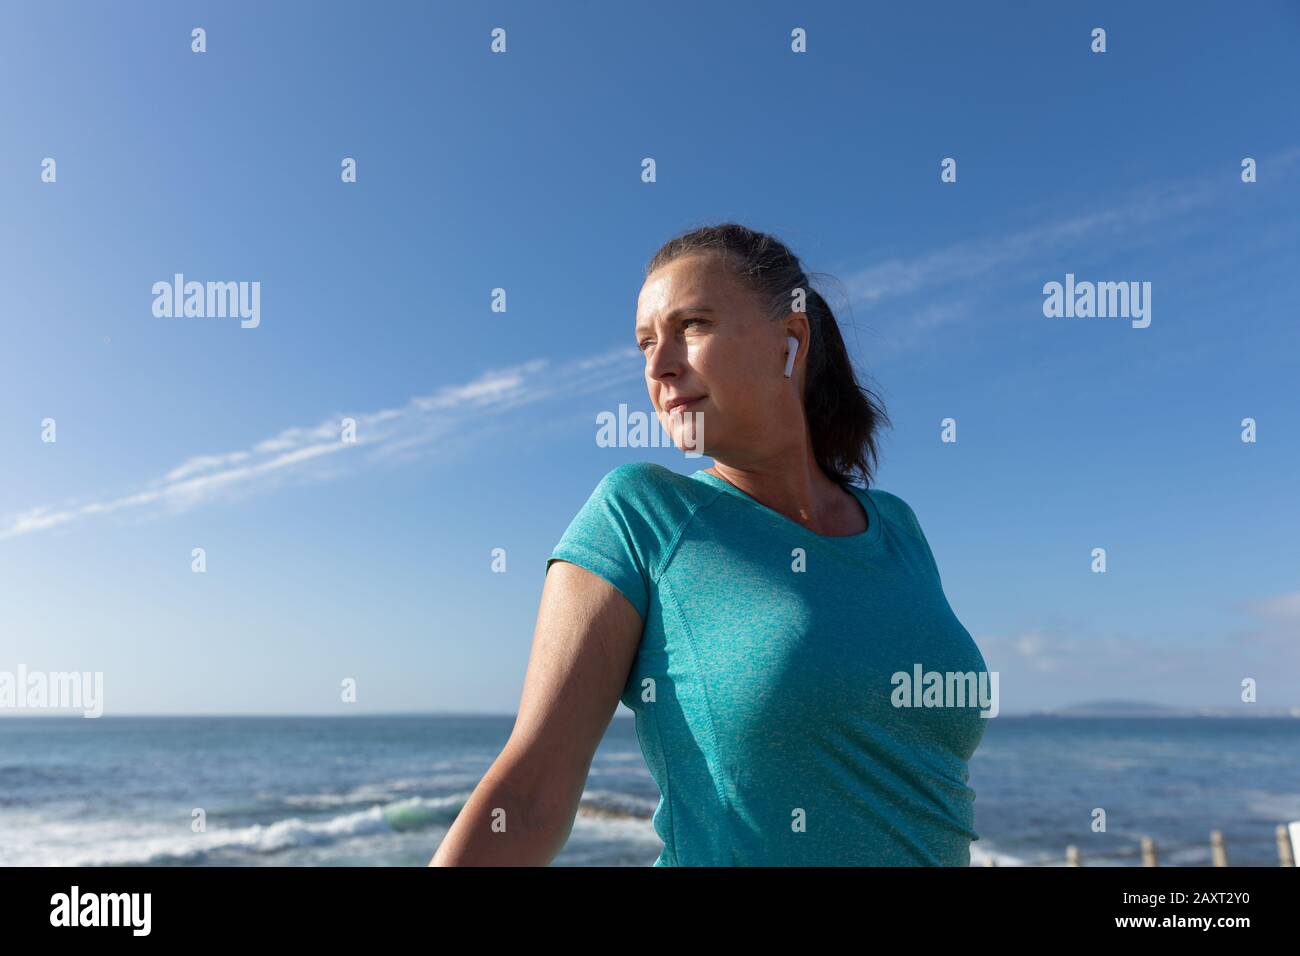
(916, 530)
(608, 537)
(905, 517)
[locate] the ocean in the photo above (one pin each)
(382, 790)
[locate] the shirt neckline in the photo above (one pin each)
(869, 536)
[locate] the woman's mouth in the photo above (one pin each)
(680, 406)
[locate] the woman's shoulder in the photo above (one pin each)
(638, 508)
(896, 511)
(649, 482)
(650, 488)
(636, 475)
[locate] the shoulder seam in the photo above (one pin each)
(671, 551)
(907, 508)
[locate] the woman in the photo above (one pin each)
(755, 615)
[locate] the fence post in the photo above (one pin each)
(1149, 852)
(1217, 849)
(1284, 850)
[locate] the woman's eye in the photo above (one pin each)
(685, 322)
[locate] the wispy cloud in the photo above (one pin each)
(297, 451)
(915, 295)
(1275, 624)
(1043, 668)
(944, 286)
(1284, 609)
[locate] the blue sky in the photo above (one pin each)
(522, 171)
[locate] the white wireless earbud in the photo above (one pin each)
(789, 355)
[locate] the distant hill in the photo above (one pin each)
(1143, 708)
(1116, 708)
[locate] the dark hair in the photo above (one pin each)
(843, 417)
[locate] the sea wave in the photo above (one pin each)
(982, 854)
(398, 816)
(611, 804)
(372, 793)
(416, 813)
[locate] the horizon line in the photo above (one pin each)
(1290, 712)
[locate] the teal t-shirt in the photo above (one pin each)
(764, 685)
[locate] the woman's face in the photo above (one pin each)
(704, 337)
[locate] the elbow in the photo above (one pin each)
(512, 818)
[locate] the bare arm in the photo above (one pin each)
(585, 640)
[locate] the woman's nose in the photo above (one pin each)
(663, 360)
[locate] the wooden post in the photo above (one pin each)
(1284, 851)
(1149, 852)
(1217, 849)
(1071, 856)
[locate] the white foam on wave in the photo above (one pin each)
(1281, 807)
(372, 792)
(981, 853)
(129, 842)
(611, 803)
